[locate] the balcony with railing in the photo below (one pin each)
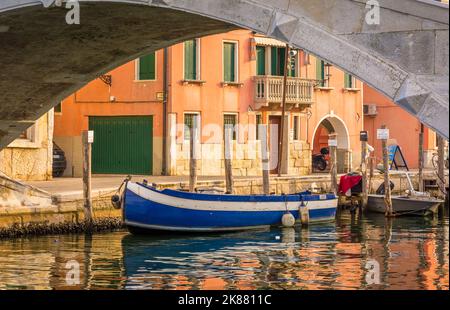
(269, 90)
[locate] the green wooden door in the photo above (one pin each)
(122, 144)
(278, 60)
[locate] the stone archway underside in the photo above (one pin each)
(42, 59)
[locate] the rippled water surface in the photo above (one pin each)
(403, 253)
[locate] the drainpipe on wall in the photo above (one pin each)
(165, 99)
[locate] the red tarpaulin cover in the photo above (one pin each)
(347, 182)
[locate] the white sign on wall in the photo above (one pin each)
(332, 142)
(382, 134)
(90, 138)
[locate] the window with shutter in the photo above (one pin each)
(190, 120)
(229, 62)
(261, 60)
(147, 67)
(190, 60)
(320, 72)
(349, 81)
(58, 108)
(230, 120)
(278, 55)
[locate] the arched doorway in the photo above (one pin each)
(333, 124)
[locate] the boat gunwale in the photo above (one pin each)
(299, 197)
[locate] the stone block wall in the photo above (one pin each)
(31, 158)
(246, 159)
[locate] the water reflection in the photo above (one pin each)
(412, 253)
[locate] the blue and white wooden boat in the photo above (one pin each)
(147, 208)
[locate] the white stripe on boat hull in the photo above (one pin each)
(190, 204)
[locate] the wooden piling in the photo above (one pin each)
(421, 159)
(228, 150)
(332, 143)
(283, 113)
(365, 189)
(371, 173)
(87, 140)
(264, 158)
(387, 181)
(441, 166)
(193, 159)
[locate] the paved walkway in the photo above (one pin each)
(111, 182)
(67, 186)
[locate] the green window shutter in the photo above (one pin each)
(229, 62)
(147, 67)
(190, 60)
(274, 61)
(282, 60)
(348, 79)
(260, 60)
(277, 61)
(320, 71)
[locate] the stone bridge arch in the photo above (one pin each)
(42, 59)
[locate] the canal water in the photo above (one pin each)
(366, 253)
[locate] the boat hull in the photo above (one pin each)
(403, 205)
(146, 208)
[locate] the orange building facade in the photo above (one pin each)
(143, 110)
(404, 129)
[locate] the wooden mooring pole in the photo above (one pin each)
(228, 150)
(264, 158)
(332, 143)
(421, 182)
(383, 135)
(193, 159)
(283, 113)
(87, 140)
(371, 167)
(441, 166)
(365, 188)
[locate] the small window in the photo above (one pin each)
(230, 120)
(147, 67)
(191, 60)
(258, 122)
(296, 128)
(58, 108)
(323, 73)
(29, 134)
(320, 72)
(191, 120)
(229, 62)
(349, 81)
